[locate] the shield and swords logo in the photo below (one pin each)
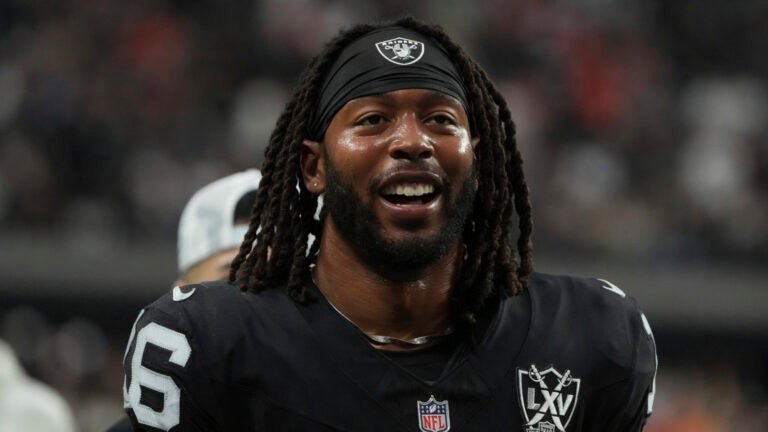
(434, 415)
(548, 398)
(401, 51)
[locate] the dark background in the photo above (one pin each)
(642, 123)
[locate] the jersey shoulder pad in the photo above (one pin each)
(204, 314)
(582, 294)
(205, 296)
(599, 316)
(187, 350)
(218, 316)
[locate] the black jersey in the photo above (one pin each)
(570, 354)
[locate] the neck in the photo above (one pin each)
(377, 302)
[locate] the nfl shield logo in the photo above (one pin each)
(401, 51)
(434, 415)
(548, 398)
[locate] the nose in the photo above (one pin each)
(409, 141)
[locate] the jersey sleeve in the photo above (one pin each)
(167, 386)
(626, 405)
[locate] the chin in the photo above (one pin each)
(394, 253)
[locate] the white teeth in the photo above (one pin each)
(409, 189)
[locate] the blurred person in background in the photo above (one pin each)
(28, 405)
(211, 228)
(412, 309)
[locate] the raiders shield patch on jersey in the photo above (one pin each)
(548, 398)
(434, 415)
(401, 51)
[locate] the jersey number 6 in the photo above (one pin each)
(141, 376)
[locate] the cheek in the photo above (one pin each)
(465, 148)
(346, 143)
(460, 154)
(354, 158)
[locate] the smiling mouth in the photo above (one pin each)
(409, 193)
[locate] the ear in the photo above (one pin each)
(312, 163)
(475, 141)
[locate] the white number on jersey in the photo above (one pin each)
(178, 345)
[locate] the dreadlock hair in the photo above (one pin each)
(283, 214)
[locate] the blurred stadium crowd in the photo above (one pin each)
(642, 123)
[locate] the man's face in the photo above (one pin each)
(400, 177)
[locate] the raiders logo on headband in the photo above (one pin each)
(401, 51)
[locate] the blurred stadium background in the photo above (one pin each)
(644, 124)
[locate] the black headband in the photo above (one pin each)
(384, 60)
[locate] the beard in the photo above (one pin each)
(358, 224)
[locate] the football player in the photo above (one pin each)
(211, 228)
(414, 308)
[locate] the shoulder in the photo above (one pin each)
(580, 296)
(197, 345)
(600, 319)
(218, 302)
(594, 331)
(204, 298)
(215, 317)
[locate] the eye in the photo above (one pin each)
(442, 119)
(371, 120)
